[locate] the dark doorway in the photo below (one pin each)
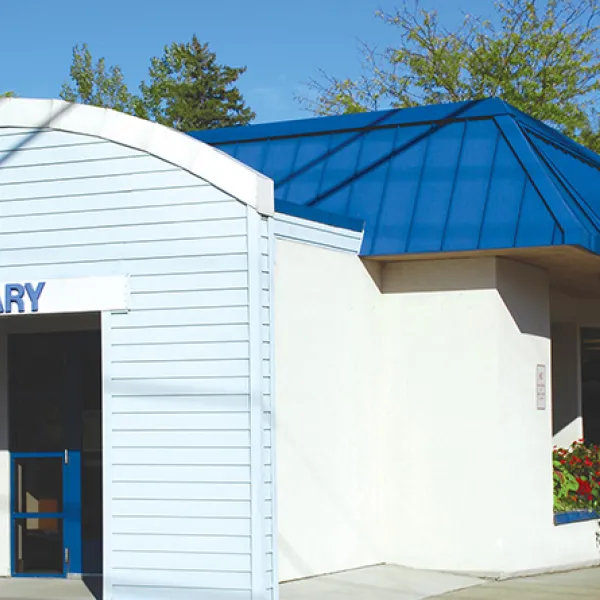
(55, 399)
(590, 384)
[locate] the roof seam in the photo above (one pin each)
(563, 147)
(489, 187)
(384, 192)
(454, 181)
(520, 213)
(417, 194)
(361, 133)
(585, 208)
(390, 155)
(575, 231)
(356, 163)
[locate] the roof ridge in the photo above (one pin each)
(575, 231)
(428, 114)
(563, 143)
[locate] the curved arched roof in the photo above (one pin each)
(179, 149)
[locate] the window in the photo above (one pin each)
(590, 384)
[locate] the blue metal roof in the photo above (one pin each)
(478, 175)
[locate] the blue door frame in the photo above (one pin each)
(70, 515)
(16, 515)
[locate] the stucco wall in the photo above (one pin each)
(469, 437)
(442, 335)
(330, 411)
(408, 426)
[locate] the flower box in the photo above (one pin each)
(576, 483)
(575, 516)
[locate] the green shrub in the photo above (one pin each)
(576, 477)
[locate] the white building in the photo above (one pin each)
(368, 360)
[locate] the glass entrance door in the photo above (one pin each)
(38, 525)
(45, 454)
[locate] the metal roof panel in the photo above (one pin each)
(460, 177)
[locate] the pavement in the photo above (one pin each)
(576, 585)
(397, 583)
(386, 582)
(48, 589)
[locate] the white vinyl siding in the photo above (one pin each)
(267, 424)
(177, 440)
(304, 231)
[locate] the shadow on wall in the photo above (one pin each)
(525, 292)
(27, 139)
(566, 404)
(524, 289)
(437, 275)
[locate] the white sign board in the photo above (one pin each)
(51, 296)
(540, 378)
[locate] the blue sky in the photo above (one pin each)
(282, 42)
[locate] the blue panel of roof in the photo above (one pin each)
(462, 177)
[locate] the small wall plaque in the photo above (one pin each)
(540, 382)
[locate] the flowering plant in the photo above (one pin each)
(577, 477)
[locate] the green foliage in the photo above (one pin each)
(576, 477)
(97, 84)
(186, 89)
(7, 95)
(542, 57)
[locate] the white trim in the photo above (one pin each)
(180, 149)
(256, 407)
(62, 296)
(5, 482)
(314, 233)
(107, 461)
(274, 486)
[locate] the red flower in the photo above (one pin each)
(584, 487)
(588, 463)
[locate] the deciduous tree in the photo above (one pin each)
(96, 84)
(541, 56)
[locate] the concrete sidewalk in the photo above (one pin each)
(375, 583)
(48, 589)
(397, 583)
(385, 582)
(579, 585)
